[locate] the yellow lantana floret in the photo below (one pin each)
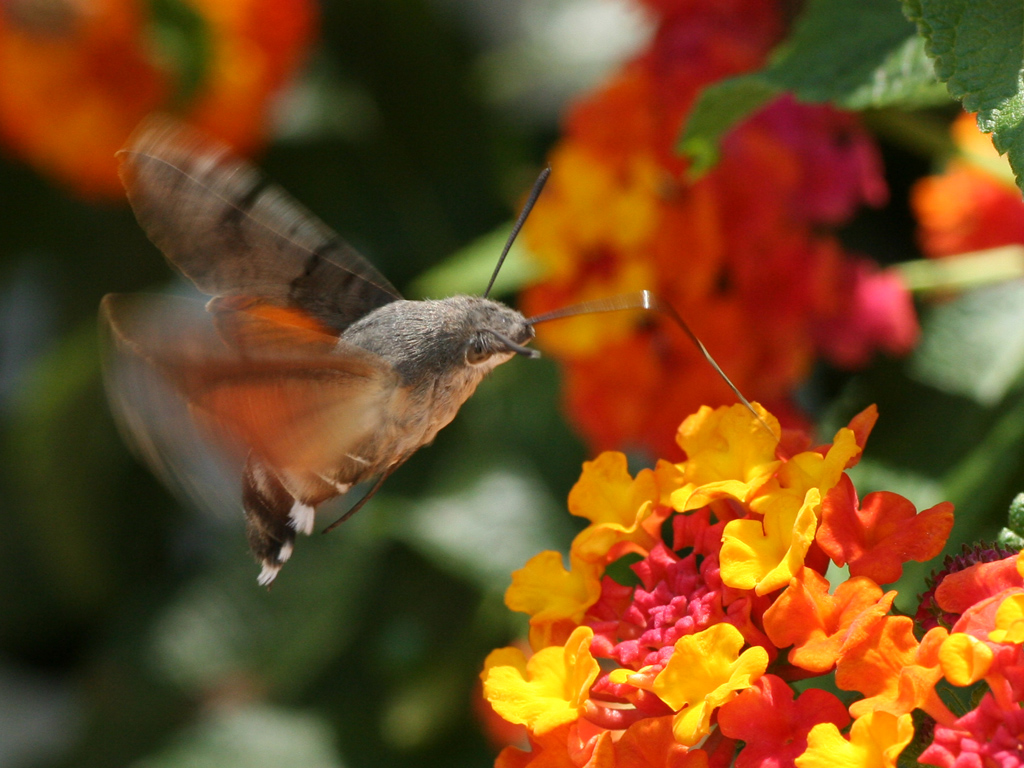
(615, 503)
(552, 595)
(546, 691)
(876, 740)
(1009, 621)
(729, 454)
(964, 659)
(706, 670)
(764, 555)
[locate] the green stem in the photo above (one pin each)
(922, 133)
(965, 270)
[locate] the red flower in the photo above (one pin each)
(882, 534)
(988, 735)
(774, 725)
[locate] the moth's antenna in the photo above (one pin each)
(647, 300)
(538, 187)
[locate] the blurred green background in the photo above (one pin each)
(132, 632)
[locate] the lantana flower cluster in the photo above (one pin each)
(79, 75)
(746, 253)
(710, 604)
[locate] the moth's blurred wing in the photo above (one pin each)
(157, 423)
(300, 399)
(231, 232)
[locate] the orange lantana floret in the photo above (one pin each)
(974, 203)
(965, 589)
(884, 661)
(625, 215)
(816, 623)
(774, 723)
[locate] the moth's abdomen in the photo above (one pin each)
(280, 503)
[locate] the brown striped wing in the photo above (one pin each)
(218, 220)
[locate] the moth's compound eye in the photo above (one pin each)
(477, 351)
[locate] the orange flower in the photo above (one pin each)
(961, 590)
(745, 262)
(547, 750)
(974, 203)
(816, 623)
(774, 724)
(634, 670)
(76, 82)
(884, 661)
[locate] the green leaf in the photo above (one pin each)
(856, 54)
(717, 110)
(978, 50)
(182, 37)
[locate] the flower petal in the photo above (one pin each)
(546, 691)
(876, 740)
(554, 598)
(816, 623)
(706, 670)
(885, 532)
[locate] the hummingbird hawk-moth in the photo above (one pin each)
(305, 364)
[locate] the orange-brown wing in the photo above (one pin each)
(298, 397)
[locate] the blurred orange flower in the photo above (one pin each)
(743, 253)
(973, 204)
(80, 74)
